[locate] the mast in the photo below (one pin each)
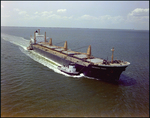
(65, 46)
(45, 36)
(112, 54)
(50, 41)
(89, 52)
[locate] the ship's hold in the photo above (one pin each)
(84, 63)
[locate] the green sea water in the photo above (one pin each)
(31, 85)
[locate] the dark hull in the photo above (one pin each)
(107, 73)
(99, 72)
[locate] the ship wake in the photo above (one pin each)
(23, 43)
(46, 62)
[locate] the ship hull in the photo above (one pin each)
(107, 73)
(94, 71)
(51, 56)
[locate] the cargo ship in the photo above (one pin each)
(84, 63)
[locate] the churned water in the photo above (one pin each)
(31, 85)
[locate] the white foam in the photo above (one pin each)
(19, 41)
(24, 43)
(47, 62)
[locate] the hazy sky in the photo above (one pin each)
(76, 14)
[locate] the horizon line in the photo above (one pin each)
(78, 28)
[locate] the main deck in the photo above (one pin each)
(77, 57)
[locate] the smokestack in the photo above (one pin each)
(50, 41)
(65, 46)
(45, 36)
(89, 52)
(39, 31)
(112, 54)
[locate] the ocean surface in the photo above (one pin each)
(31, 85)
